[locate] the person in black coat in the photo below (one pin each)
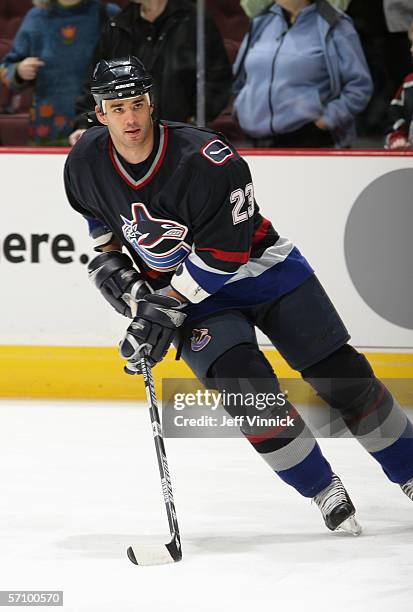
(162, 33)
(387, 53)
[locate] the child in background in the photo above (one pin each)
(52, 51)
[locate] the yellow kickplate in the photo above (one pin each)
(97, 373)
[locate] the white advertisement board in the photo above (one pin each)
(348, 214)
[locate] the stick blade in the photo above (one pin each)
(156, 554)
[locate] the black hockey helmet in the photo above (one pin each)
(123, 77)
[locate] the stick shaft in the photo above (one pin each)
(160, 448)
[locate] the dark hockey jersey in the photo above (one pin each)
(187, 216)
(401, 114)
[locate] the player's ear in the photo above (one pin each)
(101, 117)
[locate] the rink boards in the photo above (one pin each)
(350, 214)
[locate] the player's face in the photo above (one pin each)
(129, 121)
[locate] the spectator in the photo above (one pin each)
(400, 135)
(340, 4)
(301, 76)
(382, 26)
(399, 14)
(162, 33)
(254, 7)
(52, 51)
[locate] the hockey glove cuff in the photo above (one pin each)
(151, 331)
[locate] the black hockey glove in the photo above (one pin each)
(151, 331)
(118, 281)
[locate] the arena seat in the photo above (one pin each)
(229, 17)
(4, 94)
(14, 129)
(233, 24)
(11, 15)
(18, 102)
(14, 110)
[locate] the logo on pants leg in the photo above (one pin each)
(199, 339)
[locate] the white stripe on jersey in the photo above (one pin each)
(272, 256)
(199, 263)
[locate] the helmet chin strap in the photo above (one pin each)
(147, 96)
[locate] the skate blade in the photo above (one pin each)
(350, 525)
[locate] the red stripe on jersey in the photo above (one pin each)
(112, 159)
(160, 160)
(398, 95)
(233, 256)
(151, 274)
(154, 171)
(401, 133)
(260, 232)
(408, 79)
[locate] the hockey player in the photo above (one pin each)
(180, 200)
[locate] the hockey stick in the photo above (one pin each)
(171, 552)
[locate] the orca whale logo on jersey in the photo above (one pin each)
(217, 152)
(159, 242)
(200, 338)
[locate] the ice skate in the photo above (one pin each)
(337, 508)
(407, 488)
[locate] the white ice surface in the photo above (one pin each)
(79, 484)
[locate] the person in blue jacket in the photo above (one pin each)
(52, 51)
(301, 76)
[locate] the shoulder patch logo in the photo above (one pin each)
(217, 152)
